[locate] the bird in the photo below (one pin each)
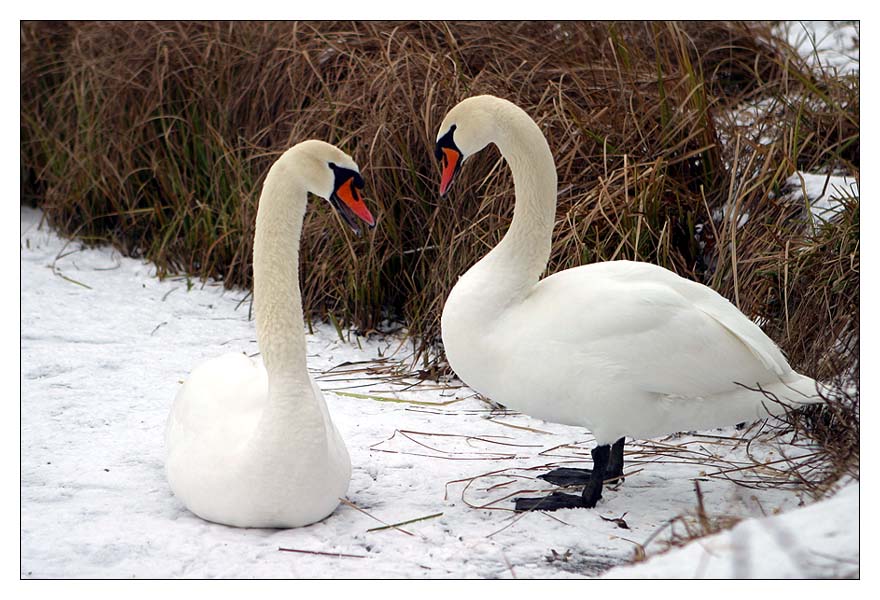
(250, 444)
(622, 348)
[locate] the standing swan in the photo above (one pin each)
(622, 348)
(254, 446)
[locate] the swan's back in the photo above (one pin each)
(639, 297)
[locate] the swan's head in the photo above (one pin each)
(466, 129)
(330, 173)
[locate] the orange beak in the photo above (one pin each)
(451, 162)
(352, 198)
(349, 203)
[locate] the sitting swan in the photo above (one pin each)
(254, 446)
(622, 348)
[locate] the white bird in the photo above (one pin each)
(622, 348)
(250, 445)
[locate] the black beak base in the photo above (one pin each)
(447, 141)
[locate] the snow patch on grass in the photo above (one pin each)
(820, 194)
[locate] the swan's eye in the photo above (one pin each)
(358, 181)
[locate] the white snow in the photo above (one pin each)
(821, 194)
(105, 345)
(821, 538)
(826, 44)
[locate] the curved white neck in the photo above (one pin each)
(516, 263)
(277, 298)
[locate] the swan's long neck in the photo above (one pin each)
(277, 298)
(516, 263)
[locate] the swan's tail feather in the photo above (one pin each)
(795, 392)
(745, 403)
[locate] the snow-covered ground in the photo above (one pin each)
(831, 46)
(105, 345)
(818, 540)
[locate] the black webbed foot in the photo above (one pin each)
(565, 476)
(568, 477)
(554, 501)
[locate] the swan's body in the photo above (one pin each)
(254, 446)
(622, 348)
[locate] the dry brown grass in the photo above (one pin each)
(155, 137)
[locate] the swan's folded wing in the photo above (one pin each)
(711, 303)
(728, 316)
(664, 334)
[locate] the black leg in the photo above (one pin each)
(593, 491)
(615, 464)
